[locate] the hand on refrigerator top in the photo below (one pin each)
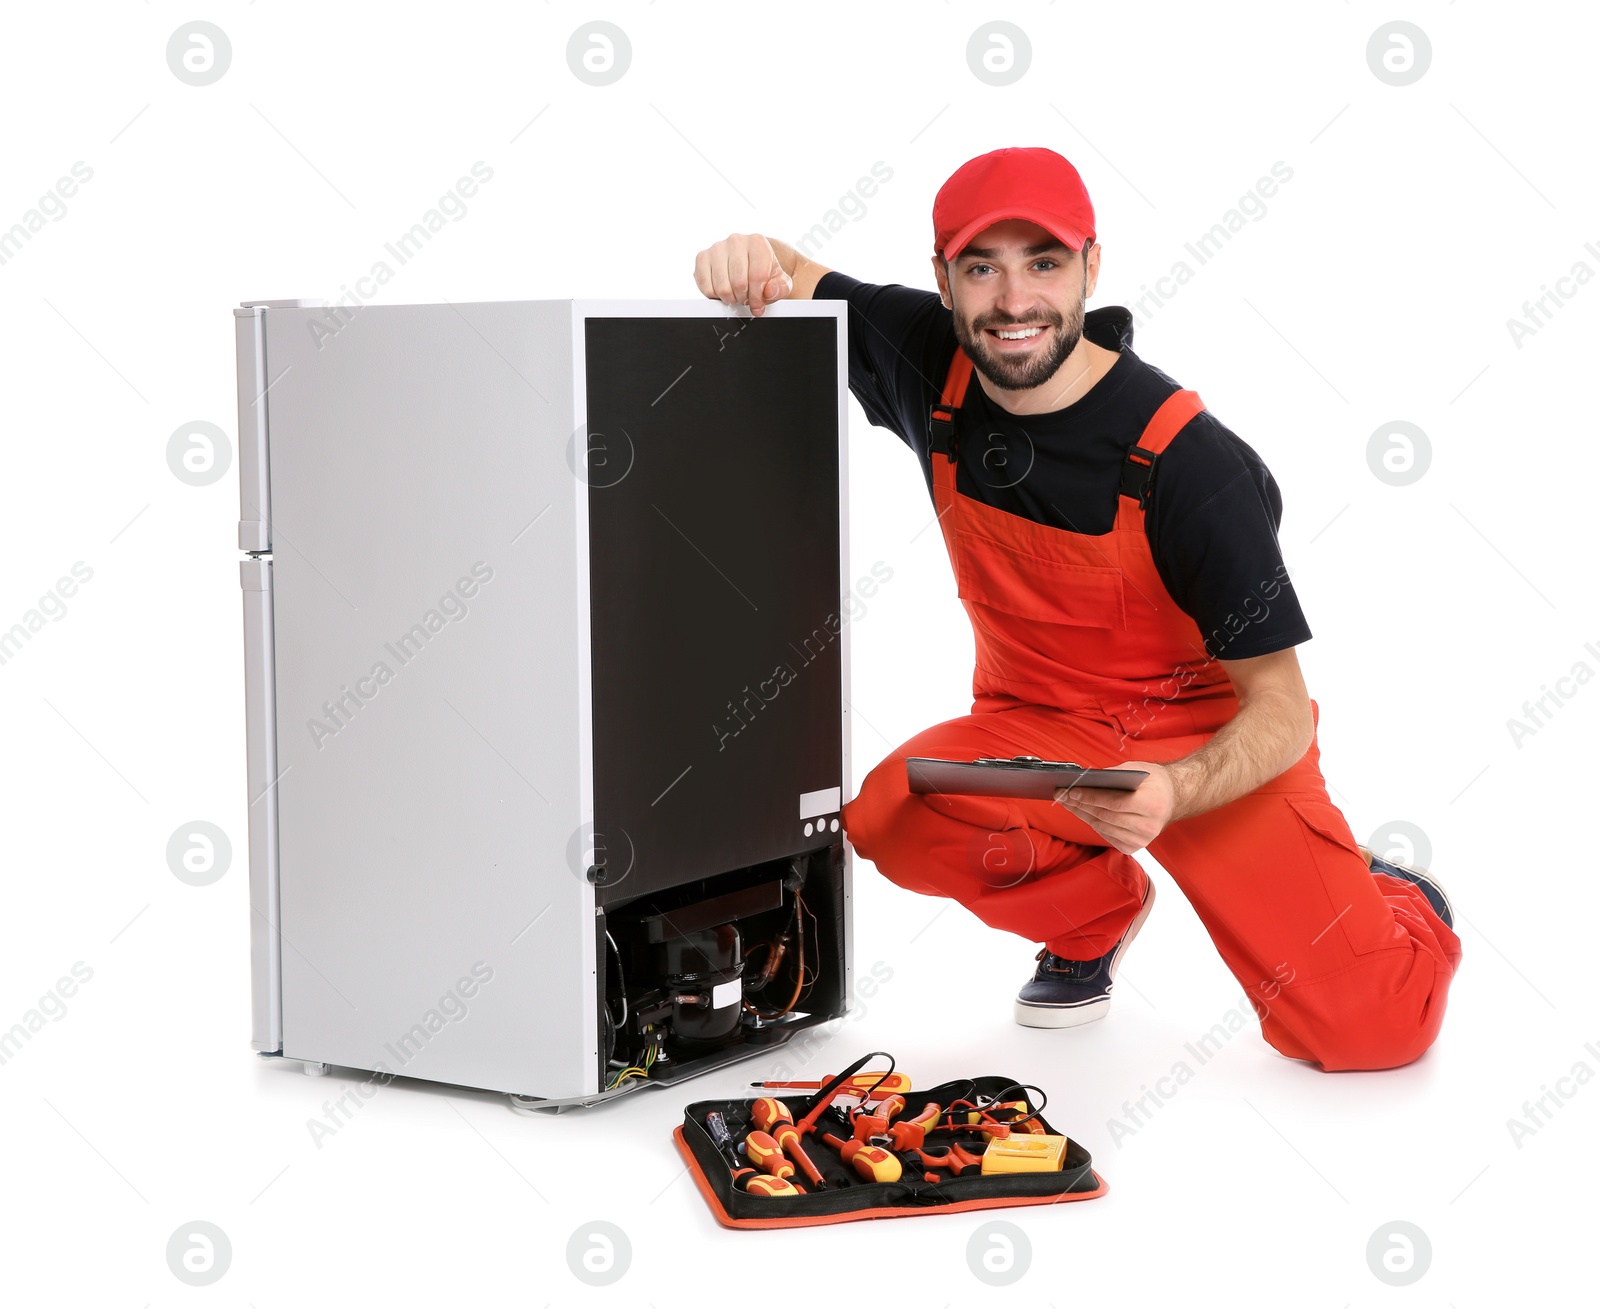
(754, 270)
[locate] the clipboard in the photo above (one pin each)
(1022, 777)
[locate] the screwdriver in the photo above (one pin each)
(754, 1183)
(885, 1083)
(761, 1184)
(767, 1155)
(773, 1117)
(723, 1140)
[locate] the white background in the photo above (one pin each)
(1376, 287)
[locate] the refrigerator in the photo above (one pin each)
(546, 686)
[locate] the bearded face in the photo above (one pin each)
(1017, 354)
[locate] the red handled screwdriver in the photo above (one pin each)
(885, 1084)
(773, 1117)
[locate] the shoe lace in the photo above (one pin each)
(1075, 968)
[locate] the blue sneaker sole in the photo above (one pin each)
(1086, 1011)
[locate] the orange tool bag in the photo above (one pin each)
(881, 1149)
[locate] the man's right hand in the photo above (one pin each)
(749, 269)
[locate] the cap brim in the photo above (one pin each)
(1073, 238)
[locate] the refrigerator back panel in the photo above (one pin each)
(717, 631)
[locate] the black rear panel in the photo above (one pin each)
(715, 593)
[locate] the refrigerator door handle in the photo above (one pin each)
(261, 771)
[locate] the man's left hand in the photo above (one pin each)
(1128, 820)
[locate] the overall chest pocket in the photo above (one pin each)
(1033, 587)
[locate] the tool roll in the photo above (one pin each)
(869, 1145)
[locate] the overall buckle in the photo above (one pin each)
(1137, 475)
(942, 430)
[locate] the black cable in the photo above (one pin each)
(882, 1079)
(622, 984)
(972, 1090)
(1024, 1087)
(838, 1079)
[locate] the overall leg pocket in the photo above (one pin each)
(1358, 910)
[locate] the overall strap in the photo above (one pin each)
(942, 416)
(1138, 470)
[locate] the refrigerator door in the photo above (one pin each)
(426, 533)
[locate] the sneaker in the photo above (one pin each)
(1070, 992)
(1421, 877)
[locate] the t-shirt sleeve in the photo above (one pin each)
(891, 329)
(1215, 510)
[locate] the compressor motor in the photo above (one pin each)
(703, 971)
(676, 984)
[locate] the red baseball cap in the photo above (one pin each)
(1017, 182)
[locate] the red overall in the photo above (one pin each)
(1082, 655)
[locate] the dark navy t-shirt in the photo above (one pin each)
(1214, 509)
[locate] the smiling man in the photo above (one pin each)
(1115, 547)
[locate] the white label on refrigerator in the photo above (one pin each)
(825, 801)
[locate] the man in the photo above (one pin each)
(1115, 547)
